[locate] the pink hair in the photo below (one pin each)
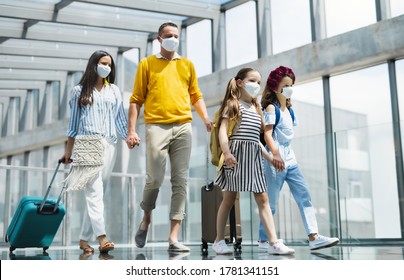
(276, 76)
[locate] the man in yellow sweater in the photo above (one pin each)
(167, 85)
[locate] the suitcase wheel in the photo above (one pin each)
(12, 249)
(44, 249)
(237, 246)
(204, 248)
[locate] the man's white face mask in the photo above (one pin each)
(170, 44)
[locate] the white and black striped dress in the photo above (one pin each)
(248, 174)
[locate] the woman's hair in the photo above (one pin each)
(231, 98)
(90, 77)
(274, 78)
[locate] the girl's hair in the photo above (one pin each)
(90, 77)
(274, 78)
(231, 98)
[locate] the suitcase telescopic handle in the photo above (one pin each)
(50, 186)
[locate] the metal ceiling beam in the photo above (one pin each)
(26, 74)
(87, 36)
(62, 4)
(51, 49)
(27, 25)
(21, 85)
(181, 8)
(74, 16)
(7, 93)
(42, 63)
(233, 4)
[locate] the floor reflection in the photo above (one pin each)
(249, 252)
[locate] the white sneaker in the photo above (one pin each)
(221, 248)
(280, 249)
(263, 246)
(323, 242)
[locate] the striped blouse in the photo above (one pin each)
(105, 116)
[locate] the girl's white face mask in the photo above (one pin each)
(103, 70)
(287, 92)
(253, 89)
(170, 44)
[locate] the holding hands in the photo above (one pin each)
(132, 140)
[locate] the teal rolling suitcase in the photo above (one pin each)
(36, 220)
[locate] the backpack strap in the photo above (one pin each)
(277, 118)
(292, 114)
(277, 115)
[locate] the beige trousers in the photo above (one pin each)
(174, 141)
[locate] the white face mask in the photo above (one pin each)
(253, 89)
(103, 70)
(287, 92)
(170, 44)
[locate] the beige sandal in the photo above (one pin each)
(105, 245)
(87, 249)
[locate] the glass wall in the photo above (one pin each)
(362, 124)
(397, 7)
(241, 34)
(400, 89)
(290, 20)
(3, 203)
(130, 62)
(199, 46)
(346, 15)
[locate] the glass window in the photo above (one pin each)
(155, 46)
(397, 7)
(17, 182)
(3, 198)
(54, 91)
(13, 115)
(346, 15)
(361, 113)
(241, 34)
(36, 183)
(400, 87)
(290, 21)
(130, 63)
(199, 46)
(1, 117)
(54, 154)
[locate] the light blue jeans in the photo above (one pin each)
(300, 191)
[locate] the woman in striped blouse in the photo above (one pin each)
(96, 109)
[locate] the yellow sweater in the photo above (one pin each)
(167, 89)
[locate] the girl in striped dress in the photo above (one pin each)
(243, 168)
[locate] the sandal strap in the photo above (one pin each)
(85, 246)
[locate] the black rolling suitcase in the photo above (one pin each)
(36, 220)
(211, 197)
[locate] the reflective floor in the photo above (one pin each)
(158, 251)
